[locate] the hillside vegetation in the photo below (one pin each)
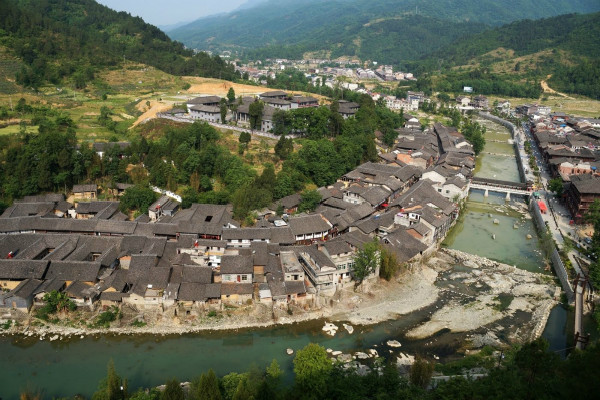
(387, 29)
(57, 39)
(512, 59)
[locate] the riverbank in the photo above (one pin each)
(469, 292)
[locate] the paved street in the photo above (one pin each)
(558, 218)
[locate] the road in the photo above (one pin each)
(234, 128)
(558, 219)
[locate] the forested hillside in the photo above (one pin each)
(497, 61)
(577, 34)
(374, 28)
(74, 38)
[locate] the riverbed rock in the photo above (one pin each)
(289, 352)
(405, 360)
(496, 221)
(329, 351)
(344, 358)
(349, 328)
(373, 352)
(362, 370)
(393, 343)
(528, 237)
(361, 356)
(515, 226)
(336, 353)
(330, 329)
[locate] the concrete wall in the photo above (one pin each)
(557, 263)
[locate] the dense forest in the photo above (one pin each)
(56, 39)
(357, 25)
(530, 371)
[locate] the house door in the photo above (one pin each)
(239, 278)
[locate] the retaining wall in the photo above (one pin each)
(559, 267)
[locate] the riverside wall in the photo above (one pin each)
(557, 263)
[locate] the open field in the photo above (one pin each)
(12, 129)
(575, 105)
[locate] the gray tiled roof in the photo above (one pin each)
(86, 271)
(22, 269)
(236, 265)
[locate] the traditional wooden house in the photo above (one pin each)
(85, 192)
(21, 297)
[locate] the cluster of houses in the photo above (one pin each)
(570, 148)
(189, 260)
(206, 108)
(320, 71)
(466, 103)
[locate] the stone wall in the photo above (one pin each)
(557, 263)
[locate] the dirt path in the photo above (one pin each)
(155, 108)
(548, 89)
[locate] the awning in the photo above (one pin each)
(542, 206)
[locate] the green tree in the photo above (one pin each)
(112, 387)
(312, 368)
(256, 110)
(309, 200)
(389, 264)
(231, 95)
(243, 390)
(421, 372)
(244, 139)
(223, 110)
(230, 383)
(141, 394)
(173, 391)
(284, 147)
(137, 198)
(366, 261)
(206, 387)
(556, 185)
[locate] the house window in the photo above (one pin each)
(244, 277)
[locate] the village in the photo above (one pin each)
(190, 262)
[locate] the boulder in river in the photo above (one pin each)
(349, 328)
(289, 352)
(393, 343)
(330, 329)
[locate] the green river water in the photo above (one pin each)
(75, 366)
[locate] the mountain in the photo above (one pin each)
(57, 39)
(566, 47)
(170, 27)
(250, 4)
(350, 26)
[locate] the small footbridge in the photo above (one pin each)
(494, 185)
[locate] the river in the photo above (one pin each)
(75, 366)
(476, 233)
